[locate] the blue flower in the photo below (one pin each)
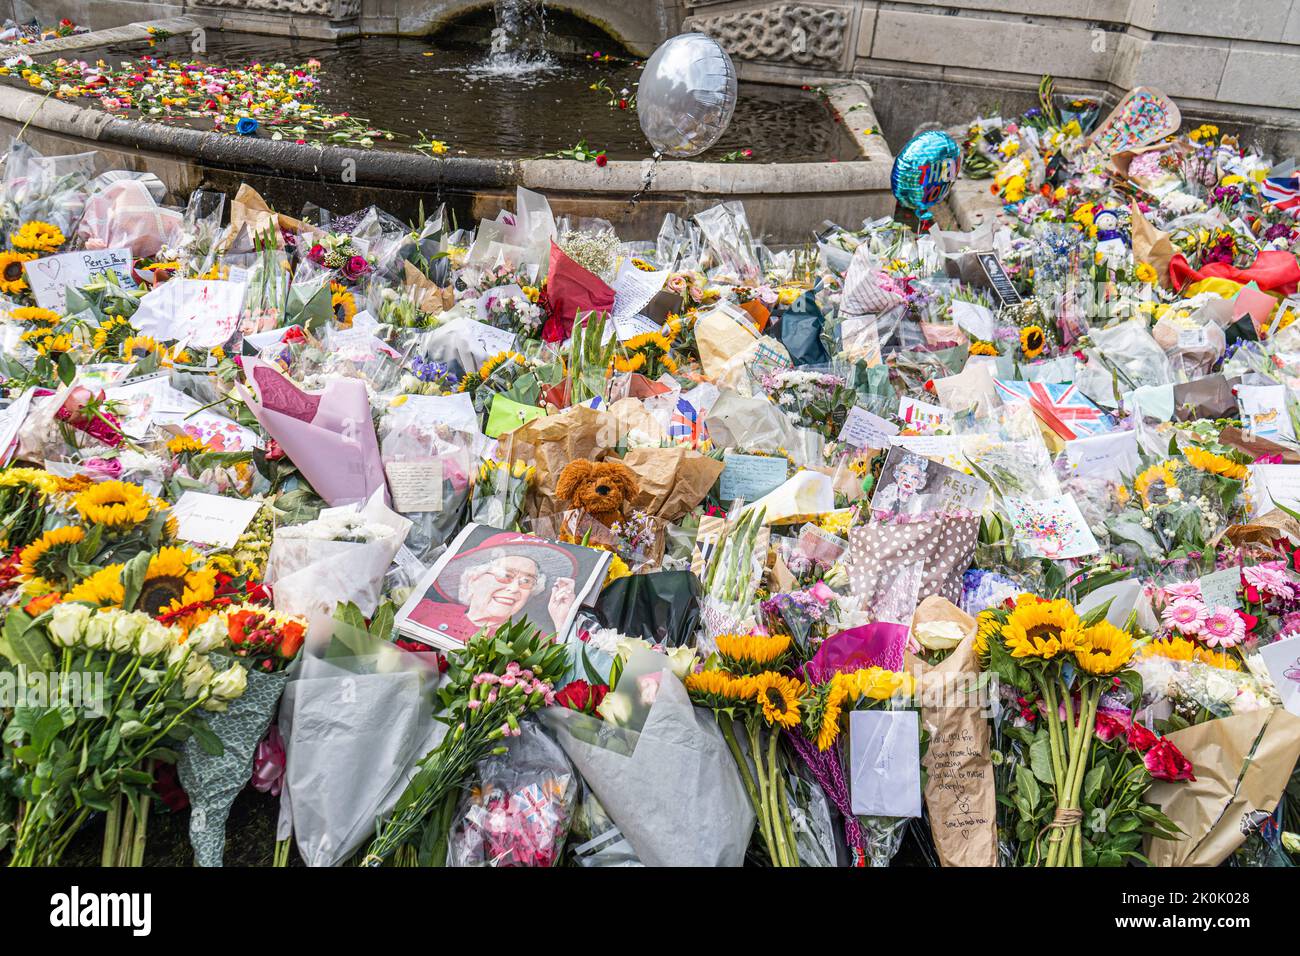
(246, 126)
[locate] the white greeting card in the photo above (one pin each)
(1052, 528)
(885, 763)
(50, 276)
(1283, 661)
(212, 519)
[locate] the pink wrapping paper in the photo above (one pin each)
(329, 435)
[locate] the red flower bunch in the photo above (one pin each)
(581, 696)
(1162, 759)
(258, 634)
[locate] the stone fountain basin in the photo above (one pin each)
(785, 202)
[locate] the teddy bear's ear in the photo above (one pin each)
(625, 477)
(573, 475)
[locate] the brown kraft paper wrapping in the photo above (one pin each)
(1242, 764)
(959, 789)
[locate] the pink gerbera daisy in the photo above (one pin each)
(1183, 589)
(1223, 628)
(1271, 580)
(1185, 614)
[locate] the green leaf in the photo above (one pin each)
(133, 579)
(1027, 787)
(67, 368)
(1040, 758)
(25, 644)
(207, 739)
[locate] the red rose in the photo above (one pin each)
(1250, 620)
(1165, 762)
(293, 336)
(1109, 726)
(581, 696)
(273, 450)
(1140, 739)
(601, 160)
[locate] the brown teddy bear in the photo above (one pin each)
(598, 488)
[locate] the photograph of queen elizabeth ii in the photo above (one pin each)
(488, 577)
(911, 484)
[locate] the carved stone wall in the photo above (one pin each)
(802, 34)
(334, 9)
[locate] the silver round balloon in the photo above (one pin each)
(687, 95)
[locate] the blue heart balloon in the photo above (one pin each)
(925, 170)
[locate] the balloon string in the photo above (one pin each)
(645, 181)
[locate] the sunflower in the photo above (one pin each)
(1219, 659)
(171, 583)
(495, 362)
(1032, 341)
(102, 589)
(1159, 477)
(779, 697)
(988, 628)
(718, 688)
(1106, 649)
(186, 445)
(1204, 460)
(37, 236)
(752, 651)
(1035, 628)
(46, 546)
(828, 731)
(137, 347)
(632, 363)
(982, 347)
(344, 305)
(12, 278)
(637, 342)
(45, 342)
(111, 333)
(33, 313)
(114, 503)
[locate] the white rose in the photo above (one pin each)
(681, 660)
(1219, 689)
(208, 636)
(125, 628)
(198, 675)
(67, 622)
(616, 708)
(627, 645)
(230, 683)
(154, 638)
(98, 630)
(939, 635)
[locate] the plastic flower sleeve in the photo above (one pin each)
(213, 782)
(678, 760)
(50, 189)
(518, 809)
(369, 711)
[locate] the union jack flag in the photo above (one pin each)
(685, 425)
(1063, 408)
(1283, 192)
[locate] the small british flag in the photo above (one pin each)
(1283, 192)
(1063, 408)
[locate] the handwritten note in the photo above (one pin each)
(1220, 588)
(213, 519)
(416, 486)
(634, 288)
(11, 419)
(865, 430)
(751, 476)
(50, 277)
(205, 312)
(959, 788)
(1111, 455)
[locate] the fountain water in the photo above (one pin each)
(519, 39)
